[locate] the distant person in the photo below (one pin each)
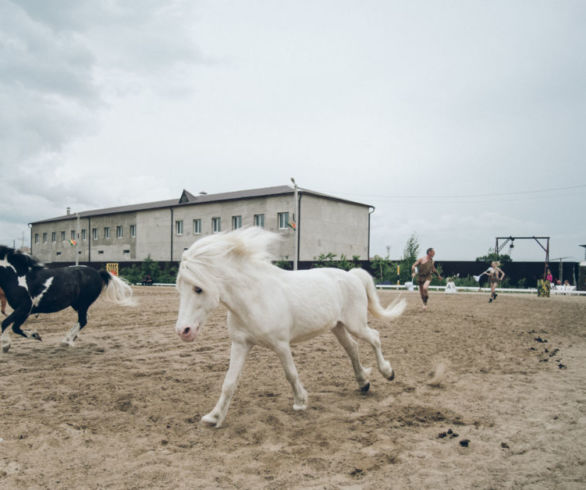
(549, 276)
(147, 281)
(425, 270)
(495, 275)
(450, 286)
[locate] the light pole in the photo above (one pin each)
(296, 229)
(77, 233)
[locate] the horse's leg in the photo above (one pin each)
(17, 318)
(373, 338)
(74, 332)
(351, 347)
(3, 304)
(238, 353)
(283, 350)
(6, 341)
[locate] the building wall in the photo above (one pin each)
(329, 226)
(246, 209)
(113, 248)
(153, 235)
(88, 249)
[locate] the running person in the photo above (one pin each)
(495, 275)
(425, 270)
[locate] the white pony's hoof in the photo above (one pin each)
(5, 348)
(299, 406)
(387, 371)
(211, 419)
(67, 343)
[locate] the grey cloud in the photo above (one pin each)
(60, 61)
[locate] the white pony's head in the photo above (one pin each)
(208, 265)
(198, 296)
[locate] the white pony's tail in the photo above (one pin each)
(394, 310)
(117, 290)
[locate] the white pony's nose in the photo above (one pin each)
(188, 333)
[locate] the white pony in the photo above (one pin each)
(274, 308)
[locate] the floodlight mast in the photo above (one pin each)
(511, 239)
(296, 222)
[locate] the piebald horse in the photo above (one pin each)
(274, 308)
(31, 288)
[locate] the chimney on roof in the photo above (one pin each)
(68, 210)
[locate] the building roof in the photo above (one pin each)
(187, 199)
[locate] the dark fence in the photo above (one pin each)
(515, 271)
(526, 272)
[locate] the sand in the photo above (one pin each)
(121, 409)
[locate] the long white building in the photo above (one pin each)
(164, 229)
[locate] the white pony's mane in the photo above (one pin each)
(216, 253)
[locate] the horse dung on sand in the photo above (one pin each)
(275, 308)
(30, 287)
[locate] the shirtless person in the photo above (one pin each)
(426, 269)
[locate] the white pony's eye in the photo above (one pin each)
(197, 290)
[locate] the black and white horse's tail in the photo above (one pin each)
(117, 290)
(394, 310)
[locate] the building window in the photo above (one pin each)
(72, 234)
(36, 238)
(83, 234)
(283, 220)
(132, 231)
(94, 233)
(119, 231)
(179, 227)
(53, 236)
(58, 253)
(197, 227)
(216, 225)
(106, 232)
(62, 236)
(236, 222)
(259, 220)
(100, 252)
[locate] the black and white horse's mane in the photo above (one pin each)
(20, 261)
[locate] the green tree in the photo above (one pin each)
(410, 253)
(329, 260)
(136, 273)
(492, 256)
(382, 269)
(324, 260)
(284, 264)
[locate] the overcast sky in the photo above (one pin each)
(459, 121)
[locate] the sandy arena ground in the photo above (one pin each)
(121, 409)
